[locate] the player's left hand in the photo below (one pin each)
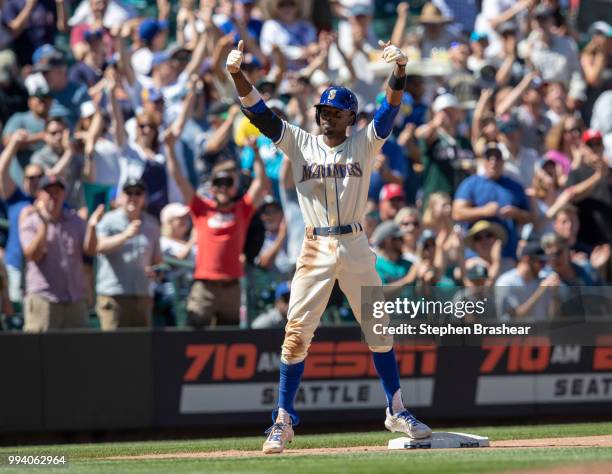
(392, 53)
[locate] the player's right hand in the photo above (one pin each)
(234, 58)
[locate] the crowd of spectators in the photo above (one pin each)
(133, 188)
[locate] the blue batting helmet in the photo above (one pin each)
(338, 97)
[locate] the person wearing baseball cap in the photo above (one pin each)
(152, 37)
(275, 317)
(55, 277)
(446, 150)
(123, 282)
(177, 246)
(387, 240)
(89, 70)
(493, 196)
(390, 200)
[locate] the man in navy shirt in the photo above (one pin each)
(493, 197)
(16, 200)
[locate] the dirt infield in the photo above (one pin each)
(585, 441)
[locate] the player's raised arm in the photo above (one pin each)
(253, 105)
(385, 114)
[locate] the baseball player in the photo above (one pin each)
(332, 174)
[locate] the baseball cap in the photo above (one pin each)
(591, 134)
(507, 27)
(445, 101)
(281, 290)
(426, 236)
(360, 9)
(478, 36)
(134, 183)
(390, 191)
(172, 211)
(542, 11)
(37, 86)
(151, 27)
(52, 180)
(44, 52)
(93, 35)
(477, 272)
(508, 124)
(159, 57)
(87, 109)
(600, 27)
(385, 229)
(542, 160)
(532, 249)
(151, 94)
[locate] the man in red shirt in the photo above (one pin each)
(221, 224)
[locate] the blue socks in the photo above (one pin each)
(386, 366)
(290, 377)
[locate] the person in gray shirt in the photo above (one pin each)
(58, 157)
(128, 251)
(520, 293)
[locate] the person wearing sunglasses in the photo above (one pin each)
(59, 156)
(495, 197)
(128, 252)
(486, 239)
(16, 200)
(221, 222)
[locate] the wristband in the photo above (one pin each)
(250, 99)
(397, 83)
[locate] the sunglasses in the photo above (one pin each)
(223, 182)
(143, 126)
(483, 236)
(33, 176)
(134, 193)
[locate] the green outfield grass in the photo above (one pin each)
(88, 458)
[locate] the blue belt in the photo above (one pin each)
(337, 230)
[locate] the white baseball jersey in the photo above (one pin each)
(332, 183)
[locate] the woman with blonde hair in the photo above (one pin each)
(437, 217)
(563, 140)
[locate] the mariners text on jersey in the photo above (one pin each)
(338, 170)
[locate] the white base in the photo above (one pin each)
(441, 441)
